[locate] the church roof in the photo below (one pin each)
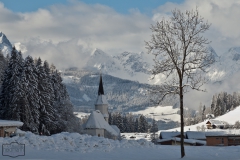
(96, 121)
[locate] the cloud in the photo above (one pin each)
(222, 15)
(99, 26)
(93, 26)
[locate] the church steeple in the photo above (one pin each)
(101, 103)
(100, 89)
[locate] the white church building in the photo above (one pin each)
(97, 123)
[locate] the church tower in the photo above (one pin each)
(101, 103)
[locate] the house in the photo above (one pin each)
(97, 123)
(212, 124)
(191, 138)
(223, 140)
(8, 127)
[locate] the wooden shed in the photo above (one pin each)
(8, 127)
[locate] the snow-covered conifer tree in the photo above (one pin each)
(143, 125)
(8, 109)
(47, 112)
(29, 82)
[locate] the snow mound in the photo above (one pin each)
(74, 142)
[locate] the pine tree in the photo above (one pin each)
(203, 112)
(143, 125)
(125, 124)
(66, 120)
(110, 119)
(47, 112)
(131, 123)
(3, 65)
(136, 125)
(119, 122)
(9, 110)
(154, 129)
(30, 86)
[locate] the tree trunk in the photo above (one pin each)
(182, 123)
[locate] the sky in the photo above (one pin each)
(123, 6)
(65, 32)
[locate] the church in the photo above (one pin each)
(97, 123)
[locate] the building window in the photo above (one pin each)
(222, 141)
(98, 135)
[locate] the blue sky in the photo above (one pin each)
(121, 6)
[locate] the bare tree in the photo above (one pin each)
(180, 55)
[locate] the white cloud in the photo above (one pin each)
(222, 15)
(93, 26)
(99, 26)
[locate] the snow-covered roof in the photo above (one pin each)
(190, 141)
(195, 135)
(97, 121)
(166, 135)
(115, 128)
(105, 115)
(10, 123)
(101, 100)
(215, 133)
(215, 122)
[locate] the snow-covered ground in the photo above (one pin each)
(164, 113)
(231, 117)
(76, 146)
(81, 114)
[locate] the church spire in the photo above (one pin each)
(100, 89)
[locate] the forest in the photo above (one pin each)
(32, 92)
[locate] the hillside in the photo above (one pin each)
(231, 117)
(122, 95)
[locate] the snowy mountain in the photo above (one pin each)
(122, 95)
(5, 45)
(127, 65)
(226, 66)
(99, 60)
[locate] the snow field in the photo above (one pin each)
(75, 146)
(74, 142)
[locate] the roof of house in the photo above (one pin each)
(215, 122)
(195, 135)
(215, 133)
(189, 141)
(10, 123)
(97, 121)
(165, 134)
(116, 129)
